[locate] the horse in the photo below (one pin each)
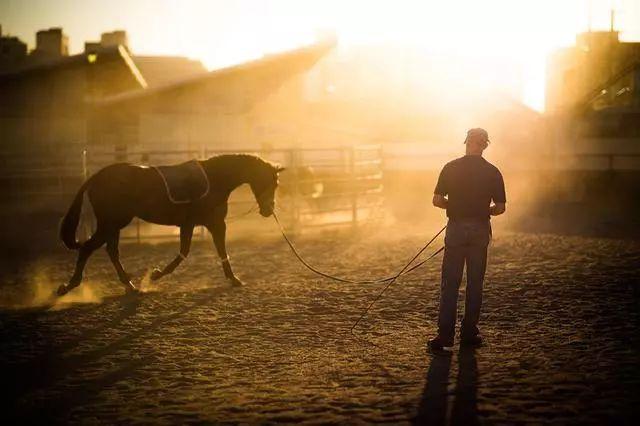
(122, 191)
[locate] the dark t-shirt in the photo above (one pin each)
(470, 184)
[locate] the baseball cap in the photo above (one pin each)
(477, 132)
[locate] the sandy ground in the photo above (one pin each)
(560, 316)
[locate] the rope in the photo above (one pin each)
(366, 311)
(389, 280)
(350, 281)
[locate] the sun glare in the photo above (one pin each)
(502, 41)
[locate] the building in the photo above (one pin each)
(239, 106)
(582, 73)
(101, 97)
(157, 70)
(51, 45)
(44, 107)
(317, 95)
(161, 70)
(593, 96)
(321, 95)
(13, 52)
(115, 38)
(47, 94)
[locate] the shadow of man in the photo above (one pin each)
(434, 405)
(465, 404)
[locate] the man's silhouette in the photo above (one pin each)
(466, 188)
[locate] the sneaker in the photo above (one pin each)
(475, 341)
(435, 346)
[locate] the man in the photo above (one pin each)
(466, 188)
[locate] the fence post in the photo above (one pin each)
(295, 208)
(381, 169)
(354, 186)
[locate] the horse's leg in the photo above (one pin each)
(186, 233)
(91, 245)
(218, 231)
(113, 240)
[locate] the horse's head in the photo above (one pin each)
(264, 184)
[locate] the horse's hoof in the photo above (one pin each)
(130, 289)
(62, 290)
(156, 274)
(236, 282)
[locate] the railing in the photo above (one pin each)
(609, 162)
(559, 162)
(321, 186)
(40, 178)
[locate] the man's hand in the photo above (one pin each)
(497, 209)
(439, 201)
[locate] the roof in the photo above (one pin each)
(117, 53)
(161, 70)
(284, 64)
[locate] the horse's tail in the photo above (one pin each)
(70, 220)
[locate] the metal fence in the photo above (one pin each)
(320, 187)
(559, 162)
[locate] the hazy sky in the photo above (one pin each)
(223, 32)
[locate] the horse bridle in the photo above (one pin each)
(260, 198)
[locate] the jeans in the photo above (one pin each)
(465, 241)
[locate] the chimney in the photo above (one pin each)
(92, 46)
(114, 38)
(52, 43)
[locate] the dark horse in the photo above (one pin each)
(120, 192)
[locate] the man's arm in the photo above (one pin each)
(499, 196)
(441, 190)
(440, 201)
(497, 209)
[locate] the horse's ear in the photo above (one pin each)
(280, 169)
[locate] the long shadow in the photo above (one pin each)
(465, 404)
(47, 369)
(128, 307)
(433, 405)
(435, 402)
(58, 410)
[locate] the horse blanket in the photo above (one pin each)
(185, 183)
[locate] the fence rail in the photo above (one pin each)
(559, 161)
(321, 186)
(609, 162)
